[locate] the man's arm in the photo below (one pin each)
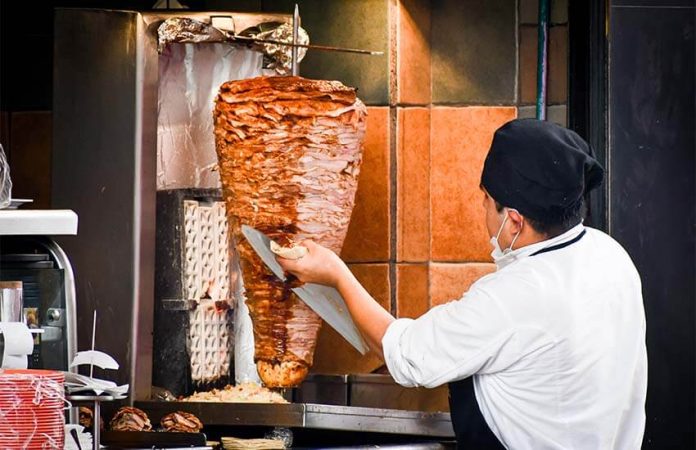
(368, 315)
(480, 333)
(323, 266)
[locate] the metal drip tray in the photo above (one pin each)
(309, 415)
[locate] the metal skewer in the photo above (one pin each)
(295, 32)
(94, 332)
(310, 46)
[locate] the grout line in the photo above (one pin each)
(364, 263)
(459, 262)
(393, 22)
(428, 300)
(479, 104)
(403, 263)
(393, 161)
(393, 207)
(517, 93)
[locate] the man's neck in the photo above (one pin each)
(530, 238)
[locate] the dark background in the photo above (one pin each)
(638, 110)
(652, 201)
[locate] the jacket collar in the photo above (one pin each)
(528, 250)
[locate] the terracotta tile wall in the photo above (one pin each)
(457, 70)
(452, 72)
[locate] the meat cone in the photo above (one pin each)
(289, 152)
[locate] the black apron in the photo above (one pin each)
(470, 427)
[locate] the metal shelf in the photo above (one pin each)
(309, 415)
(38, 222)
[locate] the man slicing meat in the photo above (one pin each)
(553, 342)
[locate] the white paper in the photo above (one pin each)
(84, 438)
(76, 383)
(18, 343)
(15, 361)
(244, 366)
(18, 340)
(94, 357)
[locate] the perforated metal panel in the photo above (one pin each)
(206, 275)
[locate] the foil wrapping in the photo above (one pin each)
(185, 30)
(189, 78)
(277, 57)
(280, 56)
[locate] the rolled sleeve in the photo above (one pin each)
(393, 356)
(476, 334)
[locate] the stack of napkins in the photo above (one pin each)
(84, 439)
(81, 384)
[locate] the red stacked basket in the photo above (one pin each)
(31, 409)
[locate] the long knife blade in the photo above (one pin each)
(325, 301)
(262, 246)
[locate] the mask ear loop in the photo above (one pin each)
(516, 236)
(500, 230)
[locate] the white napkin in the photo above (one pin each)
(18, 343)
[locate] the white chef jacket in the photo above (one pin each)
(555, 342)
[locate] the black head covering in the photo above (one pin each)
(540, 169)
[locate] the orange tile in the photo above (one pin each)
(413, 185)
(333, 354)
(413, 53)
(369, 235)
(411, 290)
(460, 138)
(30, 156)
(558, 64)
(449, 281)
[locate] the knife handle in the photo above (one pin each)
(292, 281)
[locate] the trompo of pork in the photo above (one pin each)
(289, 151)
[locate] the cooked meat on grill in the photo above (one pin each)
(87, 418)
(181, 422)
(242, 393)
(129, 418)
(289, 152)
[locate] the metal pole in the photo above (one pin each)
(542, 59)
(96, 423)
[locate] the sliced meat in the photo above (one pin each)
(289, 152)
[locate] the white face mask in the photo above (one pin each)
(498, 254)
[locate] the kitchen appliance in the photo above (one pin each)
(133, 154)
(130, 122)
(31, 257)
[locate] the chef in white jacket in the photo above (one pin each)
(553, 342)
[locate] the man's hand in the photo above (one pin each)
(320, 265)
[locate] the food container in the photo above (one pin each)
(381, 391)
(11, 301)
(370, 391)
(323, 389)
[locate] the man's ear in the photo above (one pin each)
(516, 220)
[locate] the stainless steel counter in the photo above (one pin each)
(308, 415)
